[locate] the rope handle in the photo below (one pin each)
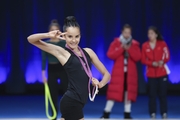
(48, 97)
(93, 97)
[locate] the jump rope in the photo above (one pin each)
(88, 72)
(48, 97)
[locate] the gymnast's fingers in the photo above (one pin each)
(62, 36)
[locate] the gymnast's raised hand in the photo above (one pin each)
(57, 34)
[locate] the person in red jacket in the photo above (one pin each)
(125, 52)
(155, 55)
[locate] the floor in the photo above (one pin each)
(33, 108)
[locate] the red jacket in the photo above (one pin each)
(160, 52)
(116, 87)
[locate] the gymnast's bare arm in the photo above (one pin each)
(98, 64)
(61, 54)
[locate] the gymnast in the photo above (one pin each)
(77, 63)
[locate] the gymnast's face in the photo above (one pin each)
(72, 37)
(152, 35)
(126, 33)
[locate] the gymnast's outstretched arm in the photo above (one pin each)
(61, 54)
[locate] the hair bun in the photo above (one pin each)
(54, 21)
(70, 19)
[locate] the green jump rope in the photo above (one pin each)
(48, 100)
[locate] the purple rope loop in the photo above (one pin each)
(87, 70)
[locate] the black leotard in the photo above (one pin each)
(77, 77)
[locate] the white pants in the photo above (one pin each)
(127, 104)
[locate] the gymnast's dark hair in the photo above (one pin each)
(126, 26)
(54, 22)
(70, 21)
(153, 28)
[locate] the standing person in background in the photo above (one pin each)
(124, 83)
(55, 69)
(155, 55)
